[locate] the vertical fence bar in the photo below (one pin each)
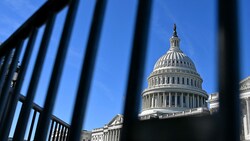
(229, 65)
(27, 104)
(6, 87)
(54, 132)
(51, 130)
(5, 127)
(61, 132)
(58, 132)
(65, 134)
(4, 69)
(1, 61)
(87, 72)
(43, 122)
(137, 63)
(32, 125)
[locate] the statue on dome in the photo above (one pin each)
(175, 32)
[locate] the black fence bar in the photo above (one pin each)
(61, 132)
(136, 71)
(4, 70)
(14, 96)
(43, 122)
(87, 72)
(51, 130)
(32, 125)
(40, 109)
(58, 132)
(27, 104)
(36, 20)
(54, 132)
(6, 87)
(229, 66)
(65, 132)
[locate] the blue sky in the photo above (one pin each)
(196, 26)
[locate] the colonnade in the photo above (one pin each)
(162, 80)
(112, 135)
(172, 99)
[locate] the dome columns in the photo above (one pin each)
(173, 100)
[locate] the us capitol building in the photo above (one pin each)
(174, 90)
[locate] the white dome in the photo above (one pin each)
(174, 84)
(174, 59)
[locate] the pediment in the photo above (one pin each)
(245, 84)
(118, 119)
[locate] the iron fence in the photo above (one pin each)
(222, 126)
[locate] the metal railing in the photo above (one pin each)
(224, 126)
(58, 128)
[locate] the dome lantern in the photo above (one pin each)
(174, 41)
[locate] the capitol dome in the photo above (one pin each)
(174, 85)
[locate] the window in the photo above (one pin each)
(173, 80)
(178, 80)
(187, 81)
(183, 80)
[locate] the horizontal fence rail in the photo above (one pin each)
(55, 133)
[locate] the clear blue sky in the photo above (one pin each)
(196, 26)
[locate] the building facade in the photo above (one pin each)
(245, 107)
(110, 132)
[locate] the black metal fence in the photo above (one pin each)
(224, 126)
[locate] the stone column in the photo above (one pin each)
(193, 100)
(248, 114)
(202, 101)
(198, 100)
(181, 99)
(151, 100)
(108, 136)
(175, 100)
(164, 100)
(118, 136)
(187, 100)
(169, 102)
(104, 135)
(115, 135)
(147, 101)
(111, 135)
(155, 100)
(158, 100)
